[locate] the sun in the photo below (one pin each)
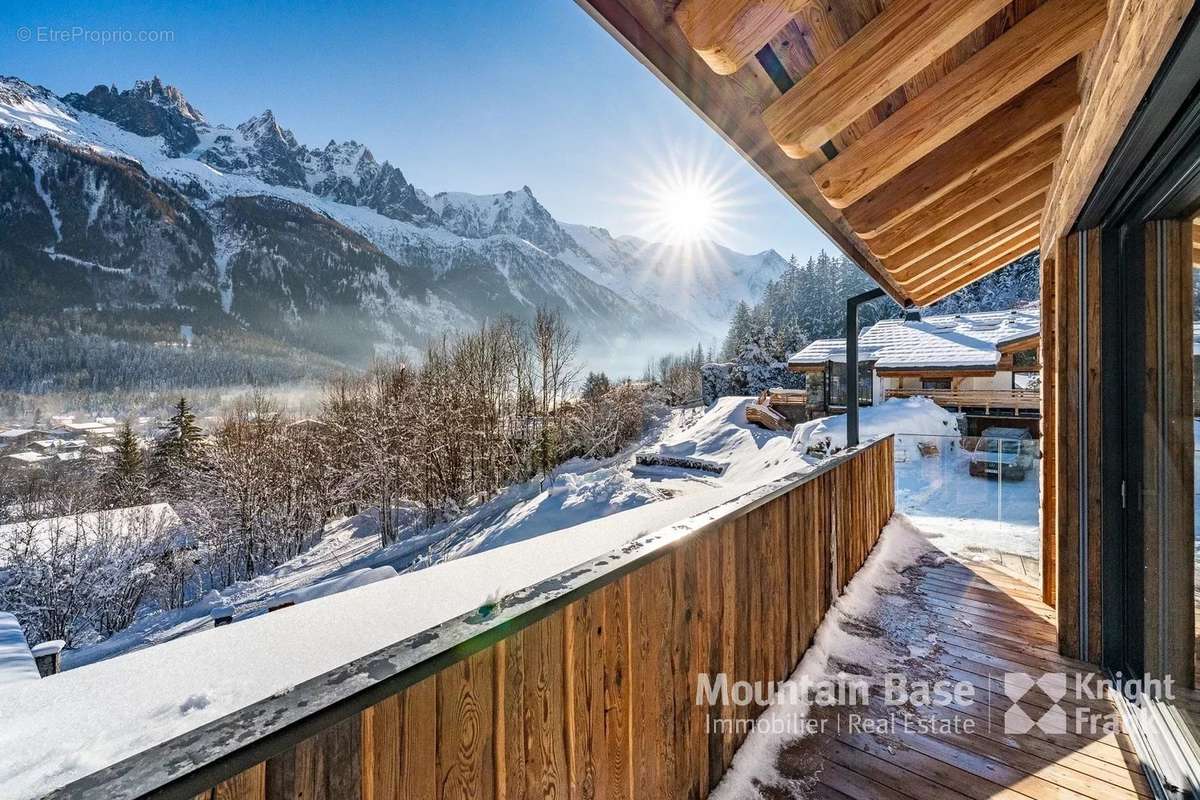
(688, 211)
(683, 200)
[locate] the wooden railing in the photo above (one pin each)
(1017, 399)
(587, 693)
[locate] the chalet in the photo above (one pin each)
(982, 365)
(21, 438)
(933, 143)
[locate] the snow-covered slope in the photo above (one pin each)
(244, 223)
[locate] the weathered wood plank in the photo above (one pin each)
(618, 704)
(727, 33)
(1004, 132)
(1135, 42)
(248, 785)
(1043, 41)
(546, 773)
(466, 727)
(888, 51)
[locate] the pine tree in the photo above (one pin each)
(124, 476)
(179, 450)
(741, 328)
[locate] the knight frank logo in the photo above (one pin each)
(1075, 702)
(1052, 720)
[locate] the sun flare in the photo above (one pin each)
(687, 205)
(688, 211)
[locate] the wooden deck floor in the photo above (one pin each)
(984, 624)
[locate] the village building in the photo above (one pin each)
(983, 366)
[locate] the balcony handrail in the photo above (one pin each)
(192, 763)
(1014, 398)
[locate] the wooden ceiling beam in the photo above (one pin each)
(727, 33)
(990, 193)
(984, 253)
(1017, 218)
(992, 235)
(966, 226)
(1004, 132)
(886, 53)
(1053, 34)
(952, 283)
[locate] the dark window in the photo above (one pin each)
(935, 383)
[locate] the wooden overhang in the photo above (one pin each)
(934, 141)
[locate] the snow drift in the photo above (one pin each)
(913, 420)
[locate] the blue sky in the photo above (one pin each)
(476, 96)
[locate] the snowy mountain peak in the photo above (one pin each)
(166, 96)
(14, 91)
(264, 129)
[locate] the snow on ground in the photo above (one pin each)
(197, 673)
(966, 515)
(912, 419)
(839, 642)
(16, 662)
(525, 534)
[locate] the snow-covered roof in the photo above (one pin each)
(15, 433)
(946, 341)
(118, 522)
(27, 457)
(819, 352)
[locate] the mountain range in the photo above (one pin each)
(131, 202)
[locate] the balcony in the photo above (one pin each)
(585, 685)
(1014, 401)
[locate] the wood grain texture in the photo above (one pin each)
(1066, 424)
(887, 52)
(1134, 43)
(597, 700)
(1028, 195)
(727, 33)
(1049, 37)
(984, 239)
(991, 192)
(1048, 345)
(1004, 132)
(1014, 243)
(465, 728)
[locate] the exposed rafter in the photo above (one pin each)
(1049, 37)
(979, 199)
(1008, 205)
(888, 51)
(996, 234)
(727, 33)
(999, 135)
(952, 282)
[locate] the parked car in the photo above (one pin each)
(1003, 452)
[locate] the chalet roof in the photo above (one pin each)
(946, 341)
(933, 143)
(819, 352)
